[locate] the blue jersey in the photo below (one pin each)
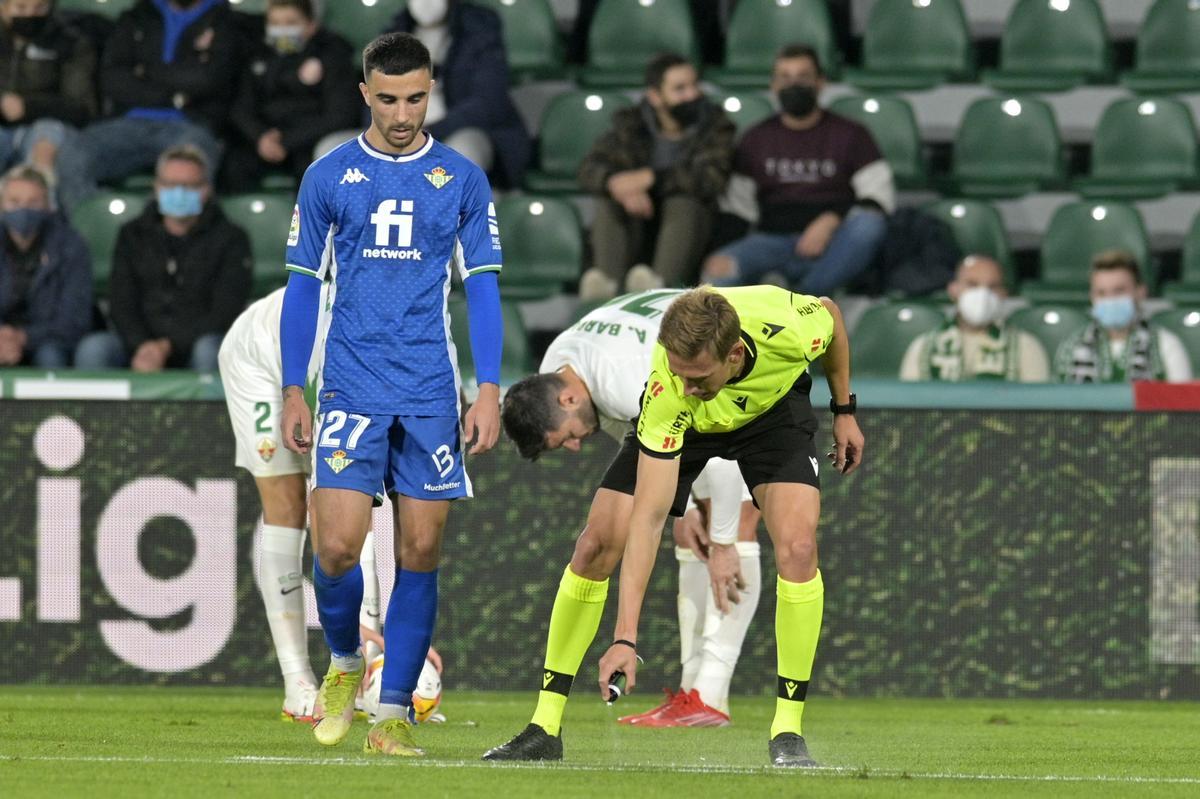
(387, 230)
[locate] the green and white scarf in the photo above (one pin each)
(997, 357)
(1087, 357)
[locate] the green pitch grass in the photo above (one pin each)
(94, 742)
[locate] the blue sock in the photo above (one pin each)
(407, 633)
(338, 601)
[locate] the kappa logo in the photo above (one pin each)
(438, 177)
(741, 403)
(816, 468)
(354, 175)
(771, 331)
(547, 678)
(338, 461)
(791, 688)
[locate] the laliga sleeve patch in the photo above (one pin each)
(294, 230)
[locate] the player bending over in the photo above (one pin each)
(386, 217)
(729, 378)
(590, 379)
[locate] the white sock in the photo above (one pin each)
(347, 662)
(723, 635)
(369, 616)
(693, 588)
(391, 712)
(281, 582)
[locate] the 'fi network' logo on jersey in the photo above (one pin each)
(385, 219)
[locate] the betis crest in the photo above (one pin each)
(438, 177)
(338, 461)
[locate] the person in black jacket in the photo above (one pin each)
(169, 76)
(300, 87)
(47, 92)
(45, 276)
(469, 108)
(181, 275)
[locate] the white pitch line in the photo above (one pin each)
(821, 771)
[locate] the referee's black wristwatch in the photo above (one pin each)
(848, 409)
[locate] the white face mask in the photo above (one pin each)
(979, 306)
(428, 12)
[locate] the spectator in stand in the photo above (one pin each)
(168, 76)
(975, 344)
(45, 276)
(1120, 344)
(813, 181)
(47, 92)
(181, 275)
(657, 174)
(300, 87)
(469, 108)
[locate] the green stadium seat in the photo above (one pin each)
(249, 6)
(757, 31)
(266, 219)
(894, 128)
(1142, 148)
(914, 45)
(570, 125)
(1077, 232)
(516, 359)
(360, 21)
(1007, 147)
(531, 38)
(624, 34)
(1052, 45)
(105, 8)
(1185, 323)
(1168, 49)
(883, 333)
(978, 229)
(1187, 290)
(99, 219)
(543, 245)
(1051, 325)
(745, 108)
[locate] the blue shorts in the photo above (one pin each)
(417, 456)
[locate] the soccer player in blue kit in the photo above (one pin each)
(386, 217)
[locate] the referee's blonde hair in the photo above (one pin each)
(699, 320)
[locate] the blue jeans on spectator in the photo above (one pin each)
(104, 350)
(850, 251)
(70, 163)
(123, 146)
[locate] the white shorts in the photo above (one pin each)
(722, 483)
(252, 394)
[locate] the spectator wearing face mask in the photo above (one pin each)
(815, 185)
(975, 344)
(469, 107)
(657, 174)
(47, 92)
(181, 275)
(45, 276)
(300, 86)
(1120, 344)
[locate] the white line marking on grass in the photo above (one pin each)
(820, 771)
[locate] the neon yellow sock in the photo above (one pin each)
(797, 627)
(573, 624)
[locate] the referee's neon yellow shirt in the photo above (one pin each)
(783, 333)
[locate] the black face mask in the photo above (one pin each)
(28, 27)
(688, 113)
(798, 100)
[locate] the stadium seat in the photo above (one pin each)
(883, 333)
(1168, 49)
(571, 123)
(531, 39)
(757, 31)
(624, 34)
(1051, 325)
(1007, 147)
(914, 45)
(894, 128)
(978, 229)
(105, 8)
(1077, 232)
(1142, 148)
(515, 359)
(1187, 290)
(249, 6)
(745, 108)
(360, 21)
(543, 245)
(99, 219)
(265, 218)
(1185, 323)
(1052, 45)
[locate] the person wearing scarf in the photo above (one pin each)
(975, 344)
